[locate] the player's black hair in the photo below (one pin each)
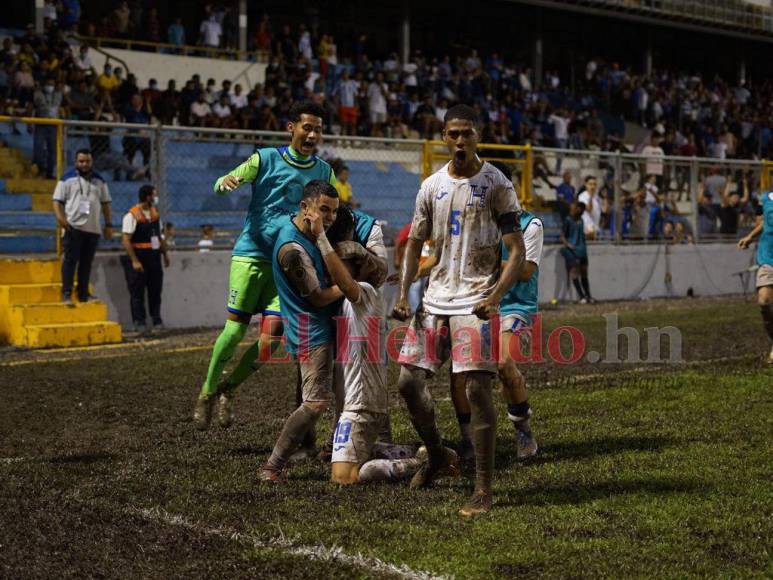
(317, 187)
(342, 229)
(504, 168)
(146, 191)
(84, 151)
(463, 112)
(307, 107)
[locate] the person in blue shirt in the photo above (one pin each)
(308, 303)
(575, 251)
(764, 230)
(565, 195)
(136, 112)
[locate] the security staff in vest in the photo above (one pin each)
(145, 247)
(78, 198)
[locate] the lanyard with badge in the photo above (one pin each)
(84, 206)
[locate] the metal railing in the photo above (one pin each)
(180, 49)
(184, 162)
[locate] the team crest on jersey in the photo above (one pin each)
(479, 192)
(770, 196)
(441, 195)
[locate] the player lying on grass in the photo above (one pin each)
(764, 226)
(361, 353)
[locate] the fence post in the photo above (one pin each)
(159, 173)
(60, 160)
(694, 199)
(527, 175)
(618, 208)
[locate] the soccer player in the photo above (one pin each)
(517, 309)
(764, 226)
(361, 348)
(575, 251)
(467, 207)
(278, 176)
(309, 305)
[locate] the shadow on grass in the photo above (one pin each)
(574, 493)
(584, 449)
(85, 458)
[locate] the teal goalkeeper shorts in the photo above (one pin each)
(251, 288)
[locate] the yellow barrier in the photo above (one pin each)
(59, 124)
(766, 175)
(521, 158)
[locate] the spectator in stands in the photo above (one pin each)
(175, 34)
(565, 194)
(145, 247)
(83, 60)
(731, 206)
(591, 215)
(119, 20)
(137, 112)
(126, 90)
(707, 212)
(151, 95)
(207, 241)
(23, 84)
(222, 114)
(344, 187)
(262, 38)
(267, 121)
(346, 94)
(714, 183)
(378, 91)
(654, 163)
(210, 32)
(82, 102)
(238, 99)
(152, 26)
(47, 103)
(169, 233)
(107, 82)
(78, 198)
(640, 216)
(304, 42)
(200, 112)
(247, 116)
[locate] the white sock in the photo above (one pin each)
(383, 450)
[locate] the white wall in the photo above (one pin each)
(196, 285)
(163, 67)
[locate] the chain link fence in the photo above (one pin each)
(643, 200)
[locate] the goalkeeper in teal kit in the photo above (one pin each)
(278, 176)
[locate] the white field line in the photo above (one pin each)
(282, 544)
(9, 460)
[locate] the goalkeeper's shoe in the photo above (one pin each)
(225, 409)
(272, 474)
(202, 412)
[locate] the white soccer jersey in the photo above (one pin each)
(461, 217)
(533, 240)
(365, 372)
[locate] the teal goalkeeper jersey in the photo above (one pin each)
(765, 245)
(522, 299)
(277, 187)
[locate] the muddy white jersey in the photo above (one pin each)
(365, 366)
(461, 217)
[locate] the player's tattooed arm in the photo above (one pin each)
(300, 272)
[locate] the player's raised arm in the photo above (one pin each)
(244, 173)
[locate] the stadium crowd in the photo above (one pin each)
(363, 95)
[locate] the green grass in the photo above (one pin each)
(664, 477)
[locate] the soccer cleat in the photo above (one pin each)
(527, 446)
(202, 413)
(479, 503)
(271, 474)
(446, 464)
(225, 409)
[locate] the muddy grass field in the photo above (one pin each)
(656, 469)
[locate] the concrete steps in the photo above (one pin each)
(32, 315)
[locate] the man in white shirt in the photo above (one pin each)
(467, 208)
(210, 32)
(238, 99)
(591, 217)
(654, 163)
(79, 197)
(377, 104)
